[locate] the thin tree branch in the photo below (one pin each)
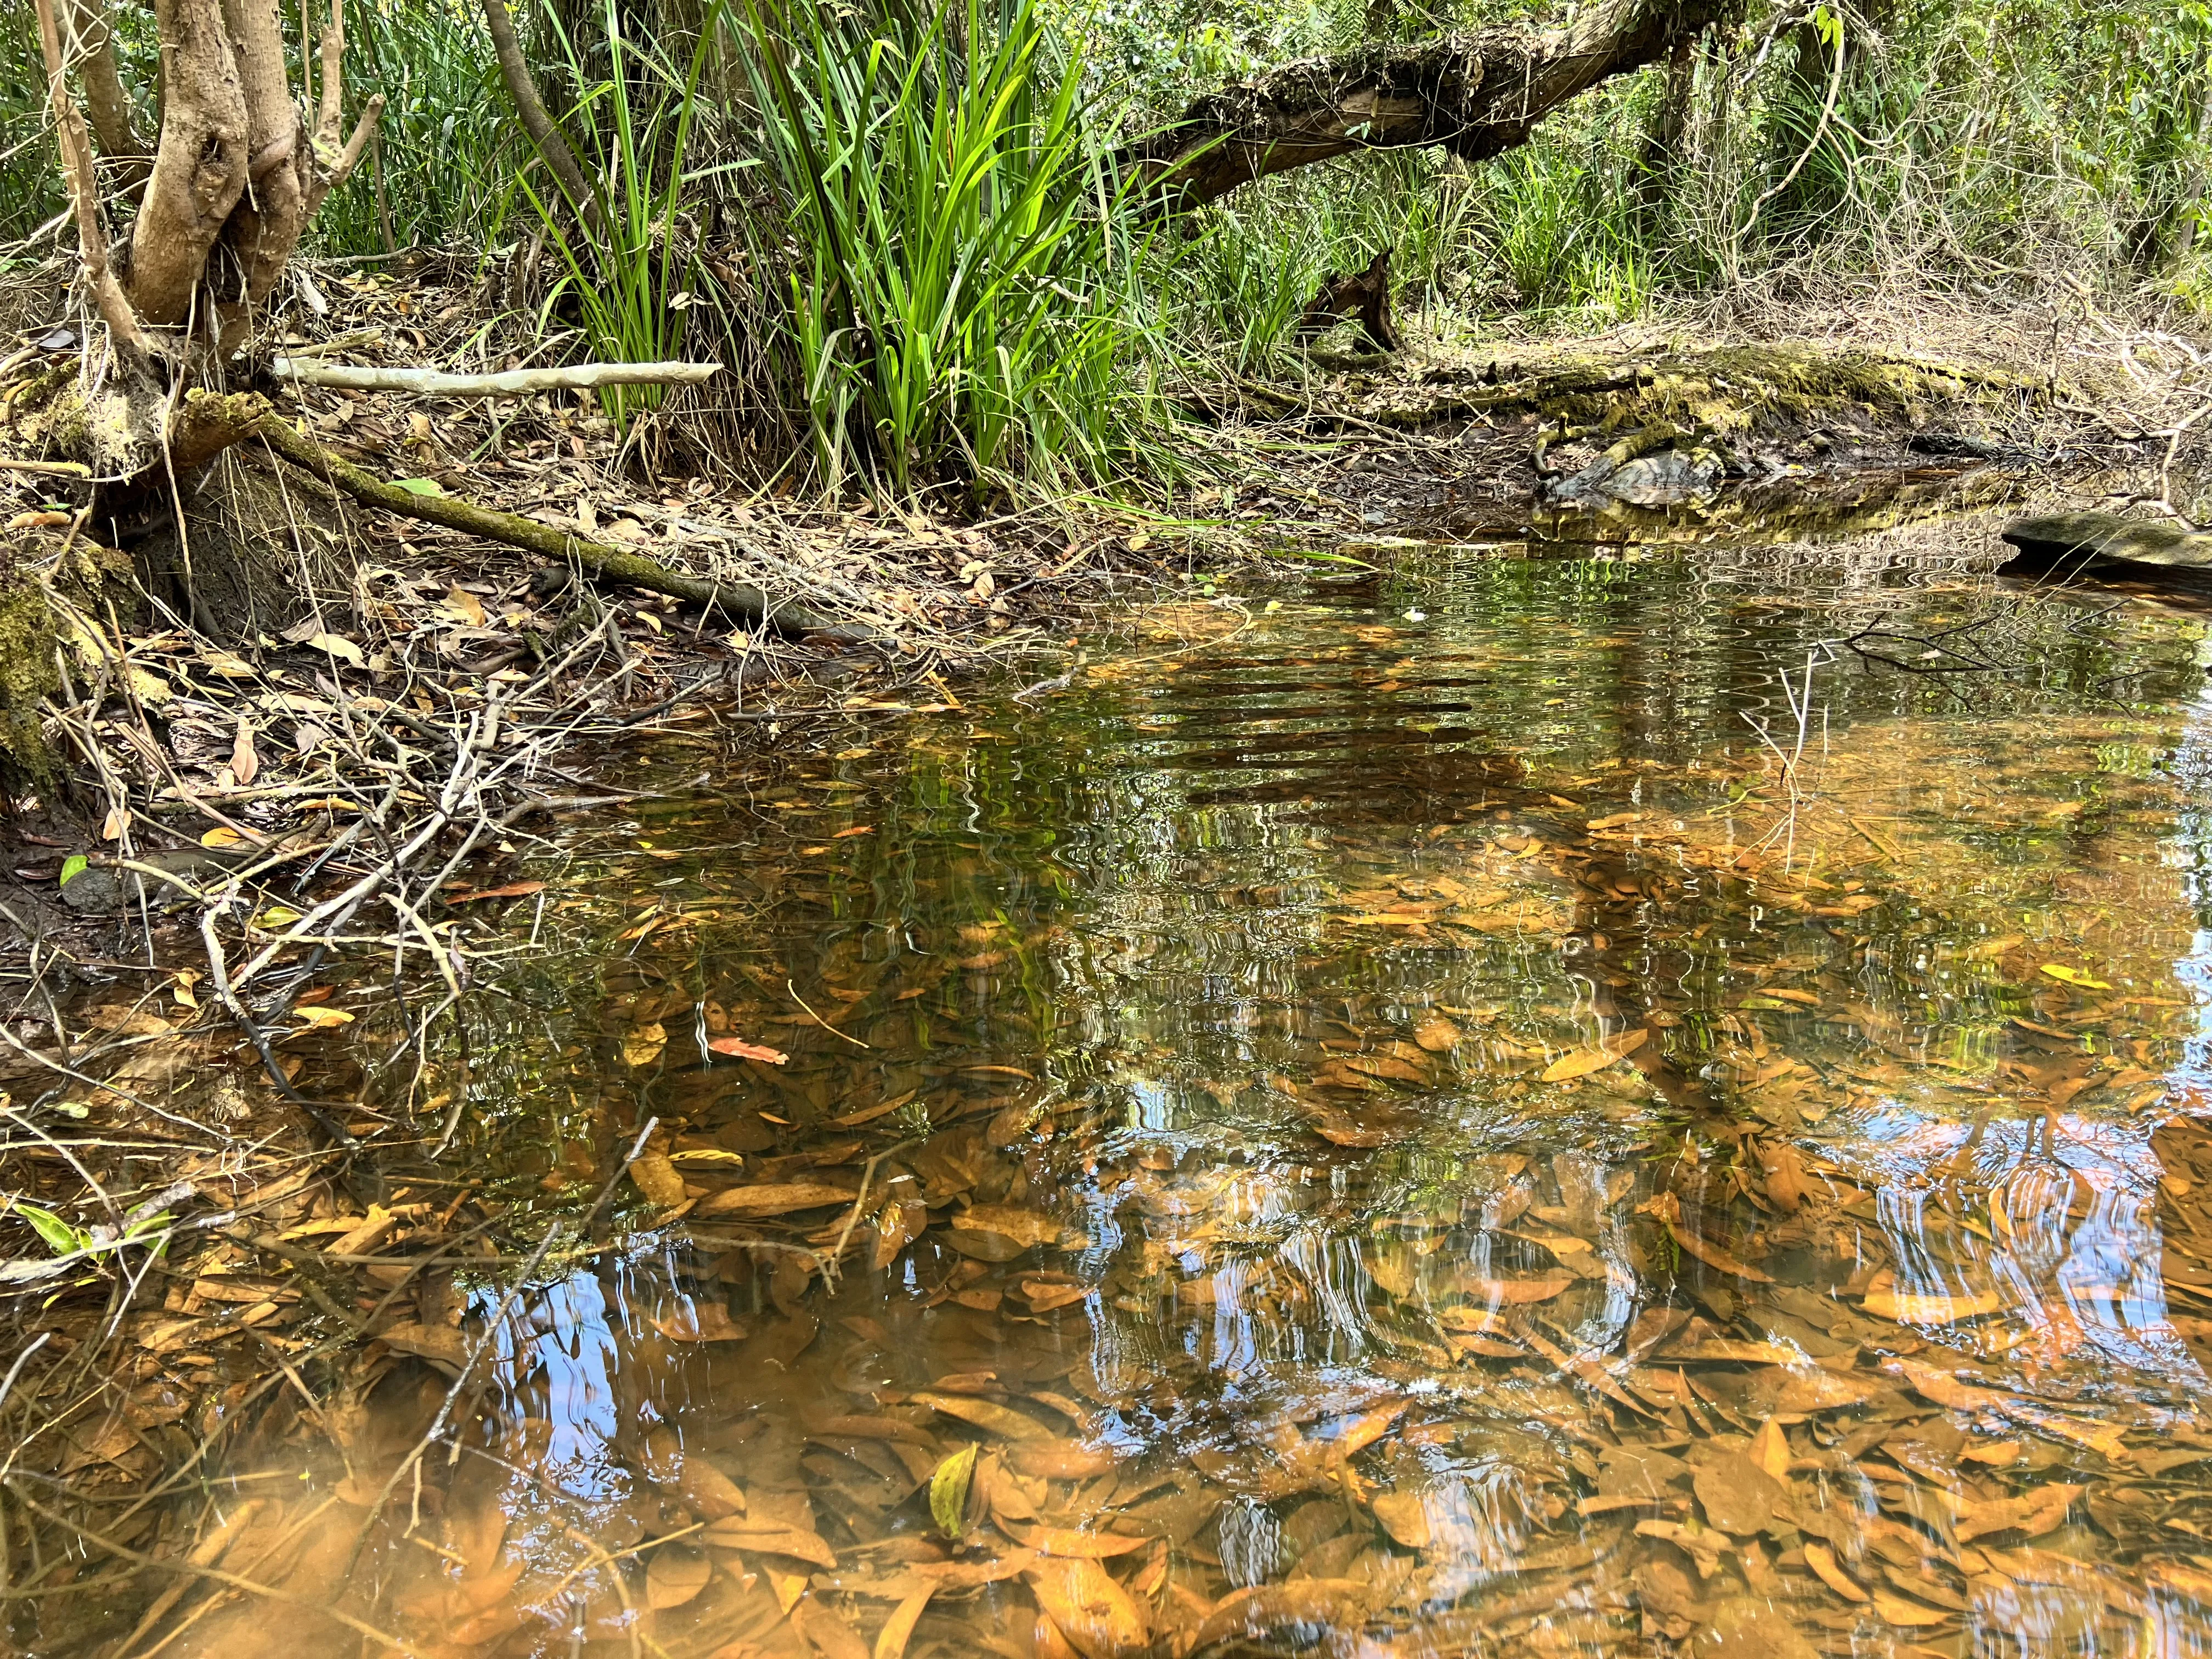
(76, 166)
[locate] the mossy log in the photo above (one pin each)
(209, 415)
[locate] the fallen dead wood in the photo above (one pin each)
(1474, 94)
(505, 383)
(245, 415)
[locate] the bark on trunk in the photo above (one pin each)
(107, 105)
(1473, 94)
(199, 170)
(514, 70)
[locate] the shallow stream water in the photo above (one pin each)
(1521, 1105)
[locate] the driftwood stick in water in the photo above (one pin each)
(209, 420)
(506, 383)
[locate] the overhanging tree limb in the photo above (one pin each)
(1474, 94)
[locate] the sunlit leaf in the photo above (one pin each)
(744, 1050)
(948, 1491)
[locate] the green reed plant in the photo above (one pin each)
(447, 148)
(961, 300)
(630, 266)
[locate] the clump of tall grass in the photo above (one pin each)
(630, 266)
(962, 301)
(445, 147)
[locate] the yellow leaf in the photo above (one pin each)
(277, 915)
(1769, 1449)
(1581, 1062)
(222, 835)
(465, 605)
(2074, 976)
(342, 649)
(321, 1016)
(651, 621)
(644, 1043)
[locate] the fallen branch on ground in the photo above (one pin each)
(244, 414)
(506, 383)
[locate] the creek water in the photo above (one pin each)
(1521, 1105)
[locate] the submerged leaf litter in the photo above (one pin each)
(1545, 1129)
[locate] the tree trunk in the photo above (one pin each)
(1473, 94)
(92, 48)
(234, 166)
(522, 88)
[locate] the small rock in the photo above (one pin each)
(93, 893)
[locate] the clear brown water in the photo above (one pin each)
(1399, 1123)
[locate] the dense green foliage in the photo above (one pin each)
(961, 297)
(898, 222)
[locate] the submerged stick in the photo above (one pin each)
(505, 383)
(244, 414)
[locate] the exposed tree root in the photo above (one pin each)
(207, 416)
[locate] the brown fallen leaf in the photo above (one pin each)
(772, 1198)
(465, 605)
(1093, 1612)
(1769, 1449)
(644, 1044)
(769, 1536)
(1822, 1560)
(675, 1575)
(244, 763)
(1405, 1517)
(1255, 1614)
(898, 1629)
(1069, 1544)
(1884, 1301)
(985, 1414)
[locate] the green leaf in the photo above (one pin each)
(419, 486)
(73, 867)
(56, 1234)
(948, 1491)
